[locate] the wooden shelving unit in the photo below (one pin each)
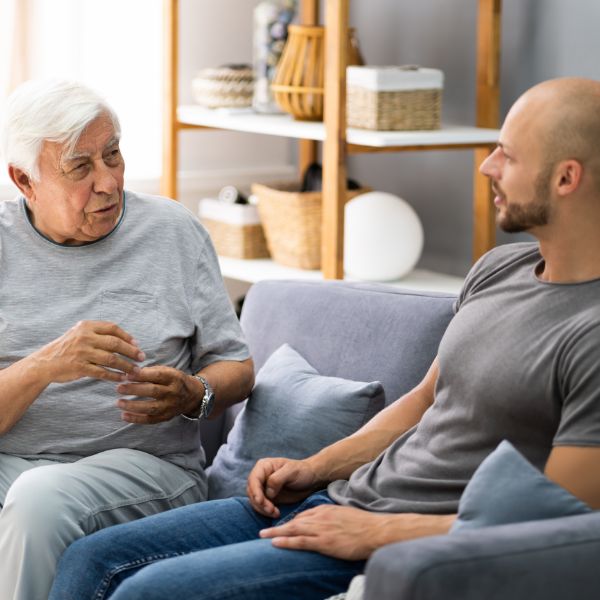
(338, 140)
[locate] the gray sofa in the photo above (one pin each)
(374, 332)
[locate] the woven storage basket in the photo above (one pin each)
(230, 86)
(234, 229)
(374, 103)
(292, 223)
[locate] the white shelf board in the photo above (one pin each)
(285, 125)
(253, 270)
(251, 122)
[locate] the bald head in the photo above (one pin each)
(565, 114)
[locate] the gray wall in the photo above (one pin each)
(541, 39)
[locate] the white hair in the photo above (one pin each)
(48, 110)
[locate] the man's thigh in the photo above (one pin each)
(11, 467)
(96, 565)
(121, 485)
(251, 570)
(111, 487)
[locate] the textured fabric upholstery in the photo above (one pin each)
(555, 559)
(293, 411)
(358, 331)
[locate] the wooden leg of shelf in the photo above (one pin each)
(488, 63)
(487, 115)
(168, 183)
(334, 148)
(484, 213)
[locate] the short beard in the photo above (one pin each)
(523, 217)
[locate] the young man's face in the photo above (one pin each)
(79, 195)
(519, 175)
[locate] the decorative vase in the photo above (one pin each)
(298, 86)
(271, 21)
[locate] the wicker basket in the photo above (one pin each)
(230, 86)
(298, 86)
(373, 103)
(234, 229)
(292, 223)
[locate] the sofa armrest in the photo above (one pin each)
(550, 560)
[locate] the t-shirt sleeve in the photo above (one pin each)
(476, 274)
(218, 334)
(580, 384)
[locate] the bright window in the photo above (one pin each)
(115, 46)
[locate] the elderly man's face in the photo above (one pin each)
(79, 196)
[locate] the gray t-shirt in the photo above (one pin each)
(519, 361)
(156, 275)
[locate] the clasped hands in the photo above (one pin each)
(103, 350)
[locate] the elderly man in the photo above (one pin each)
(518, 361)
(117, 337)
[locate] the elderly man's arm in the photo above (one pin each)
(97, 349)
(165, 392)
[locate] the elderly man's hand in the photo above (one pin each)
(164, 393)
(97, 349)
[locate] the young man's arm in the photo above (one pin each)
(274, 480)
(576, 469)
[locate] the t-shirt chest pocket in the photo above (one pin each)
(134, 311)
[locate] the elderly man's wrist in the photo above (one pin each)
(196, 388)
(40, 369)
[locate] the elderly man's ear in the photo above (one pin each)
(21, 180)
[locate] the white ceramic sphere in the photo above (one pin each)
(383, 237)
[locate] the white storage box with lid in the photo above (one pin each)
(235, 229)
(394, 98)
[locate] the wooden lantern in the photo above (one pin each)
(298, 86)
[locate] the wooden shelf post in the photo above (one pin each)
(334, 147)
(487, 115)
(168, 183)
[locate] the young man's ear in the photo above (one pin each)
(569, 173)
(22, 180)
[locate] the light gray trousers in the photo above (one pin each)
(47, 505)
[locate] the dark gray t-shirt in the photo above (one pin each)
(156, 275)
(519, 361)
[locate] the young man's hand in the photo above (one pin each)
(352, 533)
(280, 480)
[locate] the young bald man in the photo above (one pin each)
(517, 362)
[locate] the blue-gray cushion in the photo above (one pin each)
(293, 412)
(507, 488)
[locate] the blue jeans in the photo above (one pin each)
(205, 550)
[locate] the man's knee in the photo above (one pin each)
(39, 502)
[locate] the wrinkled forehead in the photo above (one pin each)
(96, 138)
(99, 135)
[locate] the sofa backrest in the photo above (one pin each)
(359, 331)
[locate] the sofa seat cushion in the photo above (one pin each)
(293, 411)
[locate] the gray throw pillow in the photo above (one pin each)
(292, 412)
(507, 488)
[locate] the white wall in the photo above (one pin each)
(213, 33)
(541, 39)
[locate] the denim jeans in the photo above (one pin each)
(205, 550)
